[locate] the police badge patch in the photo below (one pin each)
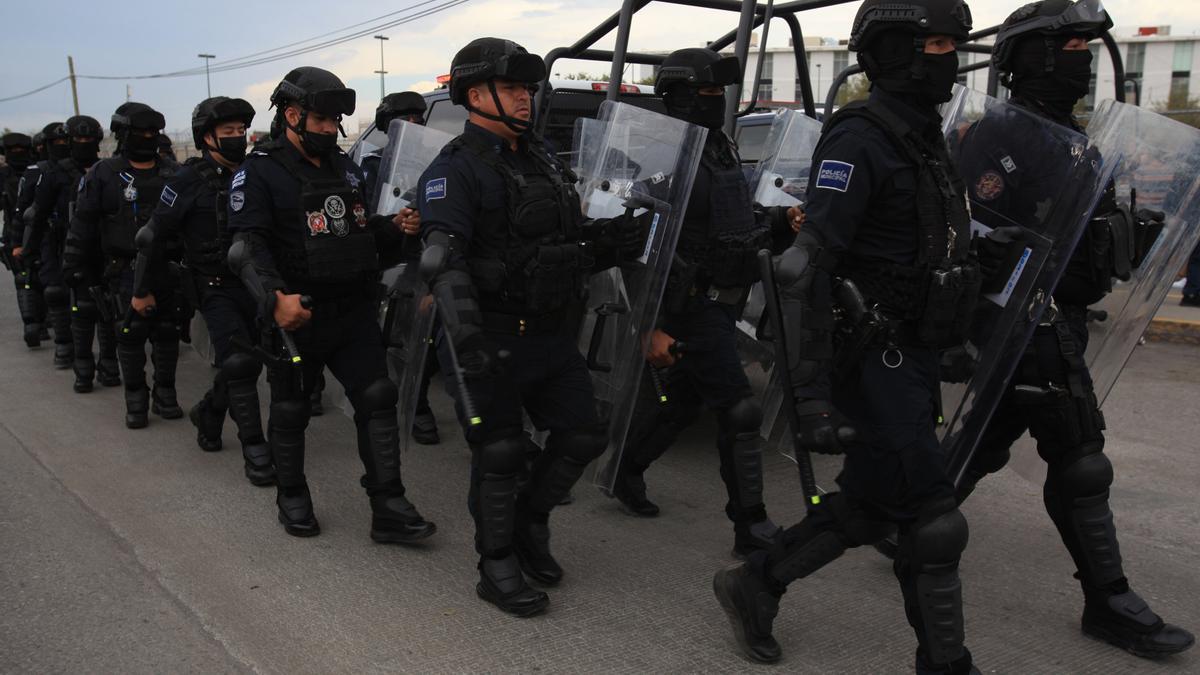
(360, 215)
(989, 186)
(340, 227)
(316, 223)
(335, 207)
(237, 200)
(130, 193)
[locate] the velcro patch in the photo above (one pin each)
(238, 179)
(168, 196)
(435, 189)
(834, 175)
(237, 200)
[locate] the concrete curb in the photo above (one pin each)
(1177, 331)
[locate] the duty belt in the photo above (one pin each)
(514, 324)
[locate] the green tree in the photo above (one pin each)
(856, 88)
(1181, 108)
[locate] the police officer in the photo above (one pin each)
(166, 151)
(193, 208)
(507, 252)
(405, 105)
(19, 159)
(709, 283)
(75, 147)
(117, 196)
(886, 210)
(296, 207)
(1043, 57)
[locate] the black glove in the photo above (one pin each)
(625, 234)
(822, 428)
(478, 357)
(998, 253)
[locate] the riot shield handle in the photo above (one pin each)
(602, 313)
(808, 480)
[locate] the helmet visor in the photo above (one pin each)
(332, 102)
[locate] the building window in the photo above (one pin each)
(840, 62)
(1089, 102)
(1181, 75)
(964, 60)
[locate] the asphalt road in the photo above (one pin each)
(135, 552)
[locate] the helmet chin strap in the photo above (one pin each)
(518, 126)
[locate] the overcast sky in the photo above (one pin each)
(139, 37)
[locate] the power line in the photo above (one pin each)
(260, 58)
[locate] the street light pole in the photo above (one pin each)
(819, 93)
(381, 71)
(207, 83)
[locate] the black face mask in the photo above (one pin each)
(687, 104)
(85, 153)
(941, 72)
(318, 145)
(1059, 90)
(59, 151)
(232, 148)
(17, 160)
(140, 148)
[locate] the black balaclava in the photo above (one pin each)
(891, 62)
(140, 148)
(86, 153)
(685, 102)
(18, 158)
(58, 151)
(1058, 90)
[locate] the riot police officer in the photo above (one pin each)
(74, 149)
(886, 210)
(405, 105)
(507, 253)
(194, 208)
(19, 160)
(301, 229)
(116, 197)
(1043, 57)
(715, 266)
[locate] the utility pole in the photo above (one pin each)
(74, 89)
(128, 93)
(207, 82)
(381, 71)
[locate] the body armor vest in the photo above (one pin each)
(338, 247)
(138, 197)
(725, 249)
(65, 204)
(939, 291)
(527, 256)
(207, 239)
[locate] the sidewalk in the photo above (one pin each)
(1180, 325)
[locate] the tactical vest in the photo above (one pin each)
(137, 198)
(12, 184)
(529, 258)
(725, 249)
(938, 293)
(207, 237)
(338, 247)
(74, 173)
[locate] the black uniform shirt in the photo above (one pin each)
(187, 210)
(862, 195)
(102, 192)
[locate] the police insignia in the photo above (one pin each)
(340, 227)
(335, 207)
(352, 179)
(435, 189)
(834, 175)
(130, 193)
(168, 196)
(317, 224)
(989, 186)
(360, 215)
(237, 200)
(238, 179)
(1008, 164)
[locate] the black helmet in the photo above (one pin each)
(15, 140)
(403, 104)
(920, 17)
(314, 89)
(164, 143)
(55, 131)
(697, 67)
(485, 59)
(213, 111)
(84, 126)
(134, 115)
(1052, 19)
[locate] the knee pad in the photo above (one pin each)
(579, 445)
(379, 395)
(56, 296)
(290, 414)
(940, 537)
(1087, 476)
(502, 457)
(743, 417)
(241, 366)
(136, 331)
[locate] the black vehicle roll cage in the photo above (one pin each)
(751, 15)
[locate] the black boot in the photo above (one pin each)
(64, 355)
(630, 490)
(963, 665)
(296, 511)
(242, 395)
(28, 306)
(137, 403)
(751, 607)
(59, 316)
(1126, 621)
(164, 402)
(394, 520)
(425, 429)
(316, 407)
(108, 371)
(531, 544)
(749, 537)
(33, 336)
(165, 355)
(502, 584)
(288, 423)
(208, 422)
(83, 328)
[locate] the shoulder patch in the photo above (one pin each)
(237, 200)
(834, 175)
(238, 179)
(1008, 164)
(435, 189)
(990, 186)
(168, 196)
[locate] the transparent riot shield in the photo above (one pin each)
(410, 149)
(642, 164)
(780, 179)
(1040, 180)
